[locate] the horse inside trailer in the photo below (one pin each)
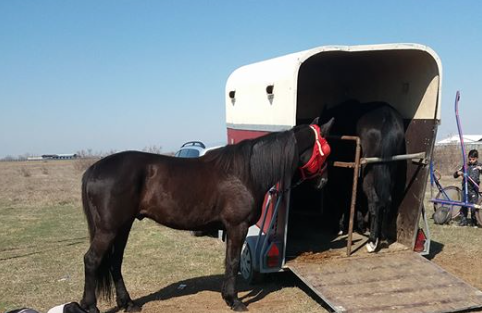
(298, 230)
(393, 76)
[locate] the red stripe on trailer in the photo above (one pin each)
(237, 135)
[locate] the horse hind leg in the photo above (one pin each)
(97, 275)
(373, 238)
(123, 298)
(374, 211)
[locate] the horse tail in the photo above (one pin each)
(86, 205)
(103, 275)
(391, 145)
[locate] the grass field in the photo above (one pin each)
(44, 237)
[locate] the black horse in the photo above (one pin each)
(222, 190)
(381, 131)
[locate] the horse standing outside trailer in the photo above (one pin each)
(227, 187)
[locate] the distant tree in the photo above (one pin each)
(110, 152)
(85, 158)
(23, 157)
(153, 149)
(85, 154)
(8, 158)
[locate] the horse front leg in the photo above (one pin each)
(235, 238)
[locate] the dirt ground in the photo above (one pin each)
(285, 292)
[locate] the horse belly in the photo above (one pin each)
(181, 217)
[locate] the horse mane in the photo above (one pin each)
(260, 162)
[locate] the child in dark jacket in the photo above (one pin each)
(474, 169)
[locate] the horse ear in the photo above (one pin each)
(326, 128)
(315, 121)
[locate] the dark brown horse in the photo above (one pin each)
(381, 131)
(221, 190)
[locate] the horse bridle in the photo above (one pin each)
(316, 165)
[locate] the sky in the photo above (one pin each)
(117, 75)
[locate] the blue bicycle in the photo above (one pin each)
(449, 200)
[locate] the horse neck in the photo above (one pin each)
(259, 163)
(273, 160)
(305, 138)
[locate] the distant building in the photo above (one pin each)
(62, 156)
(468, 139)
(34, 158)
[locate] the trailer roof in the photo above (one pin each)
(250, 104)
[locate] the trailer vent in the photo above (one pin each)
(232, 96)
(269, 92)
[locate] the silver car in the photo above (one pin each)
(193, 149)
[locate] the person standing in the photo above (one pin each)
(474, 169)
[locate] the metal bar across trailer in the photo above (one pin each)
(401, 157)
(356, 165)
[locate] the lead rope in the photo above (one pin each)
(273, 190)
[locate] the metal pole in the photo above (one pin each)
(353, 196)
(461, 136)
(356, 170)
(401, 157)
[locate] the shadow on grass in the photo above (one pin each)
(49, 249)
(272, 283)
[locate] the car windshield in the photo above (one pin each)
(187, 153)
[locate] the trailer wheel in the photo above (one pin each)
(455, 194)
(442, 215)
(246, 265)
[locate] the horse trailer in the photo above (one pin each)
(294, 232)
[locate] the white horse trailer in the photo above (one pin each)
(279, 93)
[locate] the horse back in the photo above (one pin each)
(381, 131)
(181, 193)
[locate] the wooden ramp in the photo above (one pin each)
(401, 281)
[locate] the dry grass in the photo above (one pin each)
(82, 164)
(44, 236)
(457, 249)
(49, 183)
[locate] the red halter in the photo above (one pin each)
(321, 150)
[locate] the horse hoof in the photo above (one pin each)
(239, 306)
(89, 308)
(371, 247)
(132, 307)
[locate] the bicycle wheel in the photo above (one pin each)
(451, 193)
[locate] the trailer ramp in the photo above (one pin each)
(398, 282)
